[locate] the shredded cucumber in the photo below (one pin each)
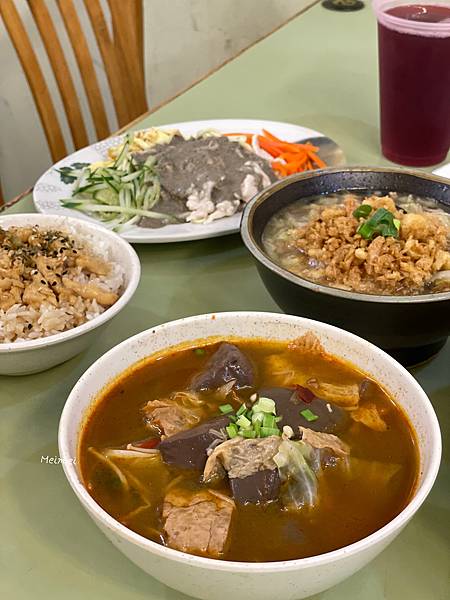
(118, 195)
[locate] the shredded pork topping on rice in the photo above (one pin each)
(51, 281)
(332, 252)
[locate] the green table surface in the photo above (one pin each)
(320, 71)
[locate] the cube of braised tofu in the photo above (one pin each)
(188, 449)
(262, 486)
(197, 522)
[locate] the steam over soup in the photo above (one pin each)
(249, 450)
(391, 245)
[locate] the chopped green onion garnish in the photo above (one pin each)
(258, 421)
(396, 223)
(199, 351)
(269, 421)
(265, 405)
(243, 422)
(257, 418)
(363, 210)
(267, 431)
(380, 223)
(241, 410)
(232, 430)
(309, 415)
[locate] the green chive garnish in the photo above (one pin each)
(232, 430)
(257, 418)
(269, 421)
(265, 405)
(380, 223)
(256, 422)
(241, 410)
(309, 415)
(268, 431)
(199, 351)
(243, 422)
(363, 210)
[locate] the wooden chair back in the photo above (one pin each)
(122, 54)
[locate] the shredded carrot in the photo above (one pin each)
(271, 136)
(248, 136)
(291, 158)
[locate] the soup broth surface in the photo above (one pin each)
(356, 494)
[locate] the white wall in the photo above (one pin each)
(184, 39)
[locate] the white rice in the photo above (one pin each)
(22, 322)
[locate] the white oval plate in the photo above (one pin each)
(49, 189)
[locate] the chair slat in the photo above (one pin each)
(61, 71)
(35, 78)
(86, 66)
(127, 29)
(111, 60)
(139, 25)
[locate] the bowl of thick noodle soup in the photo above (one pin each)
(366, 249)
(215, 452)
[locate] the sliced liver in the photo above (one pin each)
(227, 363)
(289, 406)
(187, 449)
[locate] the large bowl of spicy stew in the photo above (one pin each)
(365, 249)
(254, 454)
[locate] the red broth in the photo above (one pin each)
(415, 88)
(354, 501)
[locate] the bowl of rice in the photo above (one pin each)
(62, 280)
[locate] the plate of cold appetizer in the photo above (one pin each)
(182, 181)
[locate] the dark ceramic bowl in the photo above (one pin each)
(410, 328)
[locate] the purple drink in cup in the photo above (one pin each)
(414, 66)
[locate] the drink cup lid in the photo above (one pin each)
(413, 27)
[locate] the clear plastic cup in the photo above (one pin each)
(414, 69)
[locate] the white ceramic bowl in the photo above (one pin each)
(211, 579)
(32, 356)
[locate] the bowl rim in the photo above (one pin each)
(109, 313)
(106, 520)
(246, 230)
